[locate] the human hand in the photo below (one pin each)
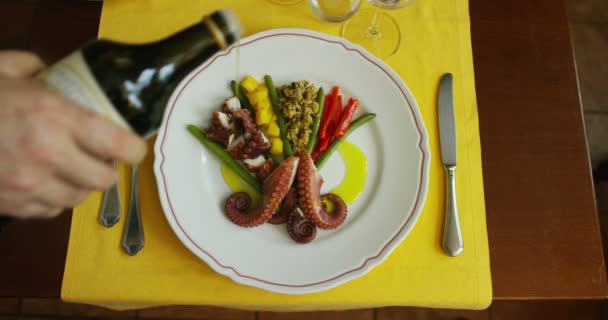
(53, 151)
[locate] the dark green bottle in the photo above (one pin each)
(131, 83)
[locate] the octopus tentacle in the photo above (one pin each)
(299, 228)
(254, 164)
(221, 128)
(231, 105)
(237, 210)
(287, 206)
(309, 184)
(331, 220)
(246, 120)
(266, 169)
(276, 186)
(236, 146)
(219, 134)
(249, 145)
(278, 218)
(255, 146)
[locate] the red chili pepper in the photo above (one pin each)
(333, 119)
(329, 110)
(315, 154)
(324, 143)
(339, 111)
(322, 125)
(347, 117)
(326, 105)
(317, 151)
(328, 99)
(333, 123)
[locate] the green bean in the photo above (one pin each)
(225, 157)
(334, 144)
(316, 121)
(236, 90)
(274, 100)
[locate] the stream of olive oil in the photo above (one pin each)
(238, 61)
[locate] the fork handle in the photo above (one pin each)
(110, 211)
(452, 235)
(133, 236)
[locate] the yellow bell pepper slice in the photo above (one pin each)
(273, 128)
(260, 93)
(251, 98)
(276, 146)
(262, 117)
(264, 104)
(249, 84)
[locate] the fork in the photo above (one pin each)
(110, 211)
(133, 234)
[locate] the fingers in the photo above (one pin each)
(85, 171)
(94, 133)
(60, 148)
(59, 194)
(106, 140)
(103, 138)
(38, 209)
(19, 64)
(48, 148)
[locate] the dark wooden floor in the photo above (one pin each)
(37, 309)
(33, 25)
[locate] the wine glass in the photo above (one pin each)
(374, 30)
(334, 10)
(285, 2)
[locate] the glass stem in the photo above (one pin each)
(373, 31)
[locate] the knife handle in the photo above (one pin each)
(452, 235)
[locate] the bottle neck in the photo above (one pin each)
(138, 79)
(184, 50)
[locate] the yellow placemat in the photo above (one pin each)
(436, 39)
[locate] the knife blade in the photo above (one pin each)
(447, 125)
(452, 235)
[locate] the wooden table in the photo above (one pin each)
(542, 221)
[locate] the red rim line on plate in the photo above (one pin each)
(334, 277)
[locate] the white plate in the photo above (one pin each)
(192, 190)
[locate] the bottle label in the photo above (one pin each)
(72, 78)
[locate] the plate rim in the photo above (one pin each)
(369, 262)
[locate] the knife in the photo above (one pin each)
(452, 235)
